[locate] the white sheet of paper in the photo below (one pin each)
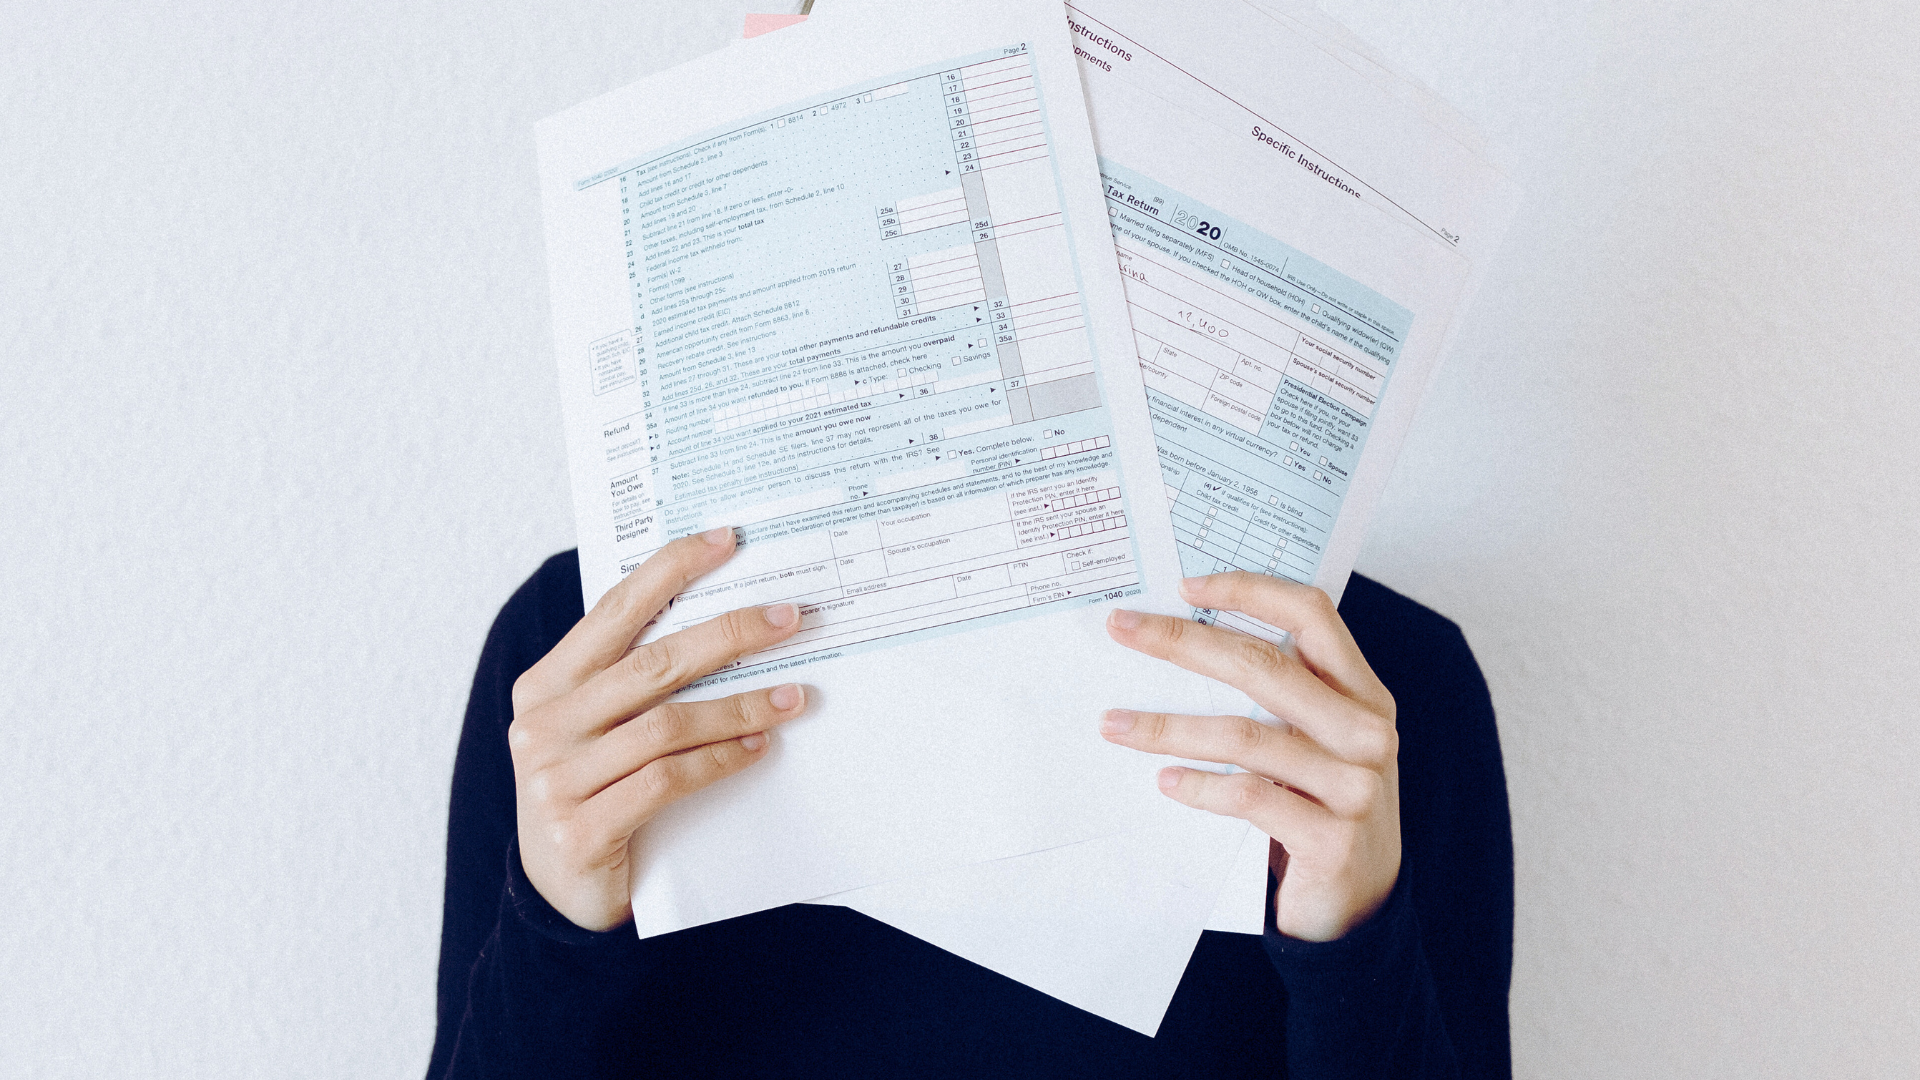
(1240, 908)
(1410, 215)
(849, 288)
(1108, 926)
(1305, 17)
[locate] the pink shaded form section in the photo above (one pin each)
(767, 24)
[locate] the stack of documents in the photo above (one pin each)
(976, 324)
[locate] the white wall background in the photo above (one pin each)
(280, 434)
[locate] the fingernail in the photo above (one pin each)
(720, 537)
(755, 742)
(1116, 722)
(783, 615)
(787, 698)
(1122, 619)
(1170, 778)
(1191, 585)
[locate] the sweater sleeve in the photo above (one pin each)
(1456, 839)
(547, 998)
(522, 991)
(1363, 1006)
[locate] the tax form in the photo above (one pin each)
(1263, 367)
(929, 452)
(849, 289)
(1296, 238)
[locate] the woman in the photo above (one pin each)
(570, 746)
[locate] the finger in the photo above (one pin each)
(605, 633)
(652, 672)
(625, 806)
(1280, 683)
(1320, 635)
(1347, 789)
(1282, 814)
(673, 727)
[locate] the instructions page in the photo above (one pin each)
(1297, 233)
(1267, 191)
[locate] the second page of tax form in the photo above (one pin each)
(850, 289)
(1297, 238)
(1292, 287)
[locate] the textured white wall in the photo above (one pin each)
(280, 435)
(1670, 485)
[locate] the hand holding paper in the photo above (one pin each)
(598, 750)
(1325, 785)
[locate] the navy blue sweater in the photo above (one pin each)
(1420, 990)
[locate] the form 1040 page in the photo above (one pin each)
(890, 390)
(851, 290)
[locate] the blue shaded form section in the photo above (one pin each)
(1264, 368)
(857, 339)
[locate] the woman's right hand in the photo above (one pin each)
(598, 750)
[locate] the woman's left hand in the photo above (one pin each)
(1324, 785)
